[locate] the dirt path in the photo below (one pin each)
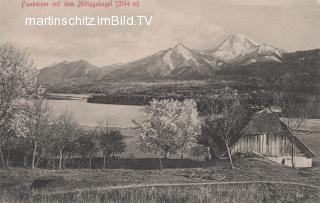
(180, 184)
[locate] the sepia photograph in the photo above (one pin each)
(169, 101)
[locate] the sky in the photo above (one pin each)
(199, 24)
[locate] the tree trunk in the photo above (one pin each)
(37, 162)
(48, 163)
(25, 160)
(2, 159)
(181, 157)
(34, 154)
(60, 159)
(160, 160)
(209, 157)
(113, 155)
(230, 158)
(104, 162)
(64, 163)
(90, 160)
(166, 155)
(292, 154)
(78, 163)
(198, 151)
(8, 157)
(65, 159)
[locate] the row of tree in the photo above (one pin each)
(173, 126)
(28, 126)
(205, 103)
(17, 85)
(50, 139)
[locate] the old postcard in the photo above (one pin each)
(160, 101)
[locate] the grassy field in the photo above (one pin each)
(252, 181)
(251, 192)
(287, 185)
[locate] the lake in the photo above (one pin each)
(88, 114)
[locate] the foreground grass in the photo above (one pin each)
(18, 185)
(245, 192)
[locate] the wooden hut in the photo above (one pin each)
(266, 135)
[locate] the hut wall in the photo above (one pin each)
(265, 144)
(299, 161)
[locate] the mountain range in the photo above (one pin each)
(237, 57)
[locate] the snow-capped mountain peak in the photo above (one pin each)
(233, 48)
(180, 55)
(239, 39)
(183, 51)
(238, 49)
(178, 61)
(167, 59)
(181, 47)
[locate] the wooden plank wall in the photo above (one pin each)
(265, 144)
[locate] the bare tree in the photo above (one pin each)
(24, 146)
(225, 123)
(10, 145)
(63, 132)
(103, 133)
(295, 113)
(17, 81)
(198, 150)
(38, 123)
(87, 145)
(117, 142)
(110, 141)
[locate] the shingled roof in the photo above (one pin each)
(268, 121)
(264, 121)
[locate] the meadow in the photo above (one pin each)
(245, 192)
(252, 181)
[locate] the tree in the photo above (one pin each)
(198, 150)
(17, 82)
(189, 125)
(225, 123)
(87, 145)
(169, 126)
(110, 141)
(103, 133)
(295, 113)
(70, 149)
(64, 131)
(203, 140)
(117, 142)
(10, 144)
(23, 145)
(38, 123)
